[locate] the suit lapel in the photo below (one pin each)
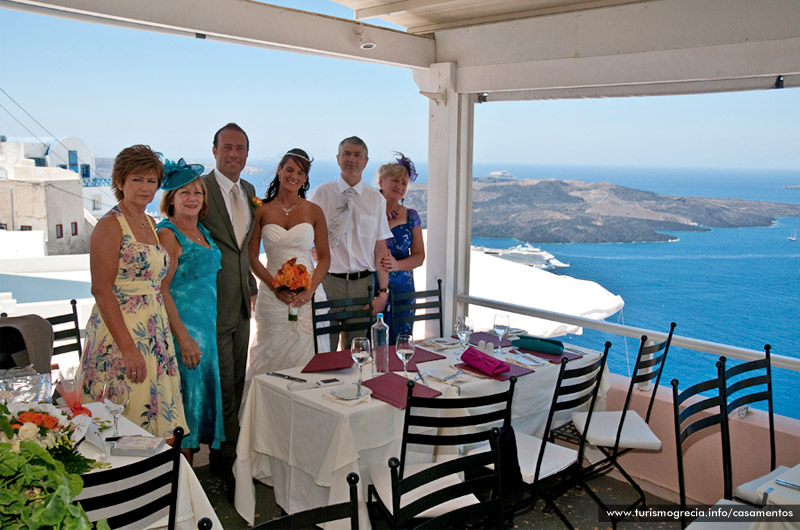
(217, 203)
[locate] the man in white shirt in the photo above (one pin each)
(357, 229)
(230, 221)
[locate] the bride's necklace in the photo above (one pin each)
(287, 210)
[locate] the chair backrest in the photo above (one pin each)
(743, 384)
(574, 388)
(26, 339)
(649, 365)
(66, 331)
(453, 421)
(486, 486)
(135, 495)
(353, 309)
(405, 305)
(317, 516)
(703, 412)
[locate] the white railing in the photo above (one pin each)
(715, 348)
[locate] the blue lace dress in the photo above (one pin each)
(194, 289)
(401, 281)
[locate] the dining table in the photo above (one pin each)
(783, 494)
(193, 504)
(304, 441)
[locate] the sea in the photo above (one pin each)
(734, 286)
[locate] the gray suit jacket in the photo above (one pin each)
(235, 283)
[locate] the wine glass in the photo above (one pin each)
(361, 352)
(405, 350)
(464, 331)
(501, 325)
(115, 399)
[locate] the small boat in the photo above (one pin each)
(793, 237)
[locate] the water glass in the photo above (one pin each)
(464, 331)
(501, 325)
(361, 352)
(116, 396)
(405, 350)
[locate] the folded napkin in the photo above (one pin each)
(549, 346)
(393, 389)
(480, 361)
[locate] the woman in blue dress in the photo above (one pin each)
(193, 288)
(406, 249)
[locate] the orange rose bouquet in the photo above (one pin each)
(294, 277)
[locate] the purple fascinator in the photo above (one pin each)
(406, 162)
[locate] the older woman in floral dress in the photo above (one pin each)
(128, 337)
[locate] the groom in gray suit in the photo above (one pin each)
(230, 221)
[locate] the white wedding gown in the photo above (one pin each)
(280, 343)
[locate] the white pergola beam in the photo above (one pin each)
(395, 7)
(249, 23)
(652, 47)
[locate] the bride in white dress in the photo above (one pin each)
(289, 226)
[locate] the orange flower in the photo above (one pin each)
(256, 201)
(32, 417)
(292, 276)
(49, 421)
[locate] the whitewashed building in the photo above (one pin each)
(41, 190)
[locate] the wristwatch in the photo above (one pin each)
(383, 290)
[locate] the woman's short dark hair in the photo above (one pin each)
(139, 159)
(300, 158)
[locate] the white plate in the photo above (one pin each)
(348, 392)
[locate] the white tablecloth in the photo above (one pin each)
(781, 496)
(193, 504)
(304, 445)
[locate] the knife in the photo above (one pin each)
(787, 484)
(289, 377)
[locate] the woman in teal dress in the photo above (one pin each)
(406, 249)
(193, 286)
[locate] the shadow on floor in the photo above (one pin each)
(577, 505)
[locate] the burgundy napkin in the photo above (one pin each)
(393, 389)
(513, 369)
(480, 361)
(420, 356)
(328, 362)
(553, 358)
(487, 338)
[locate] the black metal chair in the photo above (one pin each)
(404, 306)
(435, 422)
(137, 494)
(616, 433)
(549, 469)
(702, 412)
(741, 385)
(316, 516)
(66, 331)
(343, 315)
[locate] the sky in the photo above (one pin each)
(114, 87)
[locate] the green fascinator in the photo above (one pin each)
(179, 174)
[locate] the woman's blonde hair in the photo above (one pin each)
(139, 159)
(168, 209)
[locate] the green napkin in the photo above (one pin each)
(550, 346)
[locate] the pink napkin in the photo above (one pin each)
(480, 361)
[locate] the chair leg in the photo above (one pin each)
(612, 461)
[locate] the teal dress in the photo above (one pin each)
(194, 289)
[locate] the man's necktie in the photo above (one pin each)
(238, 216)
(340, 222)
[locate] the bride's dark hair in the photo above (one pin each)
(302, 159)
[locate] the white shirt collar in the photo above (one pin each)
(225, 184)
(342, 186)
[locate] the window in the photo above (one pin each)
(40, 162)
(74, 227)
(97, 202)
(62, 166)
(86, 171)
(59, 231)
(3, 226)
(25, 228)
(73, 161)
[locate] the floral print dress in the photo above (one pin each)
(155, 405)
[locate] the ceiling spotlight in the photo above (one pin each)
(368, 45)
